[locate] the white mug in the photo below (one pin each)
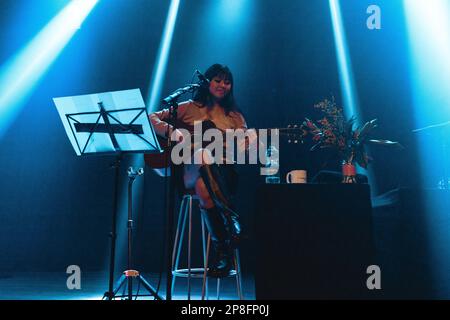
(296, 176)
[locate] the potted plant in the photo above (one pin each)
(335, 131)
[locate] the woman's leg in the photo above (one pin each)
(216, 223)
(201, 191)
(220, 262)
(218, 181)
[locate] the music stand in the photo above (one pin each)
(111, 123)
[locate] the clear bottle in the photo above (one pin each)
(273, 165)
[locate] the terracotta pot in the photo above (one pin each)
(348, 172)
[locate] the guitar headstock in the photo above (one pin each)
(294, 133)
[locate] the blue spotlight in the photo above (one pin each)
(234, 17)
(344, 63)
(350, 97)
(428, 25)
(163, 55)
(152, 104)
(20, 75)
(232, 11)
(229, 26)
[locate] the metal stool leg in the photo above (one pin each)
(208, 246)
(189, 248)
(185, 214)
(237, 266)
(238, 274)
(179, 240)
(205, 257)
(218, 289)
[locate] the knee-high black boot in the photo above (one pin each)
(220, 265)
(218, 191)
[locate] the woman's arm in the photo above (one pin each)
(251, 136)
(159, 120)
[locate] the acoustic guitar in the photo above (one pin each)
(293, 133)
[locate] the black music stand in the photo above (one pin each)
(111, 123)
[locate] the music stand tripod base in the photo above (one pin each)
(128, 276)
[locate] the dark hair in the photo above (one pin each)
(203, 95)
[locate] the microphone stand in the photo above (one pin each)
(172, 102)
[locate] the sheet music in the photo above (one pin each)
(69, 109)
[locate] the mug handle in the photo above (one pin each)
(288, 176)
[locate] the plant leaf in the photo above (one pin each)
(389, 143)
(367, 128)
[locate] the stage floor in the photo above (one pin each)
(52, 286)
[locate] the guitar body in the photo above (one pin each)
(160, 160)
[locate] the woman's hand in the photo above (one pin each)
(177, 136)
(250, 138)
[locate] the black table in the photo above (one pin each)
(313, 241)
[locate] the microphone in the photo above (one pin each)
(204, 82)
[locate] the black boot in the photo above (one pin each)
(220, 265)
(234, 228)
(218, 191)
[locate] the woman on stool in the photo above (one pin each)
(214, 184)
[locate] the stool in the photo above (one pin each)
(200, 273)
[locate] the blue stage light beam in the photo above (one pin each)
(344, 63)
(349, 94)
(162, 58)
(22, 72)
(233, 12)
(153, 102)
(428, 27)
(235, 19)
